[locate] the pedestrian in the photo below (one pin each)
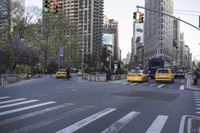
(68, 73)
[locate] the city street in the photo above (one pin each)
(58, 105)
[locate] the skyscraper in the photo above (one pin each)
(158, 30)
(8, 10)
(111, 27)
(88, 16)
(176, 41)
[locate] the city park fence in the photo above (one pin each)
(14, 78)
(102, 77)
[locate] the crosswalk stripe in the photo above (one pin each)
(4, 97)
(15, 100)
(118, 125)
(198, 105)
(51, 120)
(134, 84)
(142, 84)
(125, 83)
(15, 104)
(86, 121)
(182, 87)
(158, 124)
(198, 113)
(198, 102)
(25, 108)
(153, 84)
(160, 86)
(7, 121)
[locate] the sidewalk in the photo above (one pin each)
(190, 85)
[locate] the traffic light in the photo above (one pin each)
(46, 4)
(56, 7)
(141, 18)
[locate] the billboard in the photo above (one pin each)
(108, 39)
(139, 33)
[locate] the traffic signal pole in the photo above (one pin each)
(169, 16)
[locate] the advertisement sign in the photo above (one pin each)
(139, 33)
(108, 39)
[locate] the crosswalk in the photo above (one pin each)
(153, 84)
(14, 106)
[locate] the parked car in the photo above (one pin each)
(137, 75)
(61, 73)
(164, 74)
(180, 74)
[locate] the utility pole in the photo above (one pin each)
(169, 16)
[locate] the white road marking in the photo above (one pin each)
(15, 100)
(197, 104)
(74, 90)
(86, 121)
(160, 86)
(182, 124)
(134, 84)
(197, 99)
(43, 95)
(15, 104)
(187, 121)
(182, 87)
(197, 108)
(4, 97)
(7, 121)
(142, 84)
(118, 125)
(158, 124)
(153, 84)
(25, 108)
(171, 86)
(125, 83)
(198, 113)
(50, 120)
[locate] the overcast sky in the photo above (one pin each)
(121, 10)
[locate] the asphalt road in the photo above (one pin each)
(50, 105)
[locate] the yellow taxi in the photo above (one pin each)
(61, 73)
(164, 74)
(137, 76)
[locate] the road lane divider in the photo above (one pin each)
(118, 125)
(25, 108)
(86, 121)
(158, 124)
